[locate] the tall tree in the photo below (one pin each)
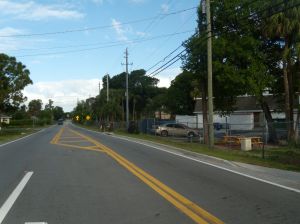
(284, 28)
(49, 105)
(35, 107)
(58, 112)
(14, 76)
(179, 98)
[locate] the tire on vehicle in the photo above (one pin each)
(164, 133)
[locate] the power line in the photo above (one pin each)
(178, 55)
(164, 59)
(120, 43)
(167, 66)
(97, 27)
(161, 45)
(105, 43)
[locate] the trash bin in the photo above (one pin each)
(246, 144)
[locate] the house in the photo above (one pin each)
(247, 114)
(5, 119)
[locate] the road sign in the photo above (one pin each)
(77, 118)
(87, 117)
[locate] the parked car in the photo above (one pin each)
(176, 130)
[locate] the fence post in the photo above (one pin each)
(266, 132)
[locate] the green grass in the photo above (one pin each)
(282, 158)
(10, 134)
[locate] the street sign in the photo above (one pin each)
(87, 117)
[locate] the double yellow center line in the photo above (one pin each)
(186, 206)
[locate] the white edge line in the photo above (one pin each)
(206, 163)
(19, 139)
(13, 196)
(35, 223)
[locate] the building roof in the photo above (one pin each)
(4, 116)
(246, 103)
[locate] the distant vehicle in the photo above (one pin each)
(176, 130)
(60, 121)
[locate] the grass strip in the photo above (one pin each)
(283, 158)
(7, 135)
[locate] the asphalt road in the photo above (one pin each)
(69, 175)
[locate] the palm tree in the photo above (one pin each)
(284, 28)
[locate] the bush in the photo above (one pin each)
(30, 122)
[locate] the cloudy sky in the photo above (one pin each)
(69, 45)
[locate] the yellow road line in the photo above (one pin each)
(57, 141)
(80, 147)
(61, 140)
(189, 208)
(70, 137)
(57, 136)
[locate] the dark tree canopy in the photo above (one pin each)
(13, 78)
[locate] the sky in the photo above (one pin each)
(69, 45)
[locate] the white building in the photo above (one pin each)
(246, 116)
(5, 119)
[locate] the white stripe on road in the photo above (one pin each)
(203, 162)
(213, 165)
(35, 223)
(13, 196)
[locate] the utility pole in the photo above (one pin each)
(127, 95)
(209, 77)
(107, 88)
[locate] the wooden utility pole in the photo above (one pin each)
(209, 77)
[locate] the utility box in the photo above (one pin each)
(246, 144)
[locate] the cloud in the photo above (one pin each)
(164, 8)
(166, 76)
(140, 34)
(119, 30)
(64, 93)
(30, 10)
(9, 44)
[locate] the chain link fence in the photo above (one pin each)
(260, 130)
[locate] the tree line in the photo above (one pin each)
(14, 77)
(145, 98)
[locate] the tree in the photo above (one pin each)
(13, 78)
(142, 88)
(58, 112)
(179, 98)
(242, 57)
(284, 28)
(21, 113)
(35, 107)
(49, 105)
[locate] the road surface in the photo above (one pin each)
(65, 174)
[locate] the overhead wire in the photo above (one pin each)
(108, 45)
(162, 44)
(96, 27)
